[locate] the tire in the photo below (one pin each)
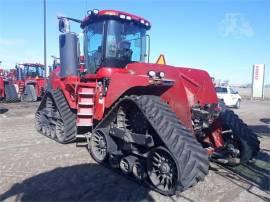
(29, 94)
(10, 93)
(249, 143)
(238, 103)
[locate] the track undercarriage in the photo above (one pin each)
(143, 138)
(151, 145)
(55, 119)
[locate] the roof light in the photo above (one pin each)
(142, 21)
(89, 12)
(147, 24)
(95, 11)
(122, 16)
(128, 18)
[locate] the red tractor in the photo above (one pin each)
(8, 91)
(30, 81)
(157, 123)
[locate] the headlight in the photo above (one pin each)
(152, 73)
(161, 75)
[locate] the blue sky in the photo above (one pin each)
(224, 37)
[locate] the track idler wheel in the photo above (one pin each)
(162, 170)
(101, 145)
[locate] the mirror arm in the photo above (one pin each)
(71, 19)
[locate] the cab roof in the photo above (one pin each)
(114, 14)
(32, 64)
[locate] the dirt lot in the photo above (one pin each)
(35, 168)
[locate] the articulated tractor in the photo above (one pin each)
(31, 81)
(8, 91)
(156, 123)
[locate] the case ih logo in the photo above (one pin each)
(257, 73)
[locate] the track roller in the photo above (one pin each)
(127, 163)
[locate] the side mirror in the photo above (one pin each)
(63, 25)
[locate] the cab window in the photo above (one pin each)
(221, 90)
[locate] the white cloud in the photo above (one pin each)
(236, 25)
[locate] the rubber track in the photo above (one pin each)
(29, 94)
(249, 139)
(11, 94)
(191, 158)
(67, 115)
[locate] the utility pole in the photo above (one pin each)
(45, 48)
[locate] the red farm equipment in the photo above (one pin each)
(8, 91)
(31, 81)
(157, 123)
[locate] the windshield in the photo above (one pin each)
(33, 71)
(221, 90)
(123, 43)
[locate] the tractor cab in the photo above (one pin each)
(113, 39)
(30, 70)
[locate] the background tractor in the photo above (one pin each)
(30, 81)
(8, 91)
(157, 123)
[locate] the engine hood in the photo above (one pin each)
(197, 83)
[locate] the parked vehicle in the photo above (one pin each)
(8, 91)
(230, 97)
(157, 123)
(31, 81)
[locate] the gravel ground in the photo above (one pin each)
(35, 168)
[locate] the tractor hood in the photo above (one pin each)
(197, 83)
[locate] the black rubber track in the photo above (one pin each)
(250, 145)
(67, 115)
(11, 94)
(191, 159)
(29, 94)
